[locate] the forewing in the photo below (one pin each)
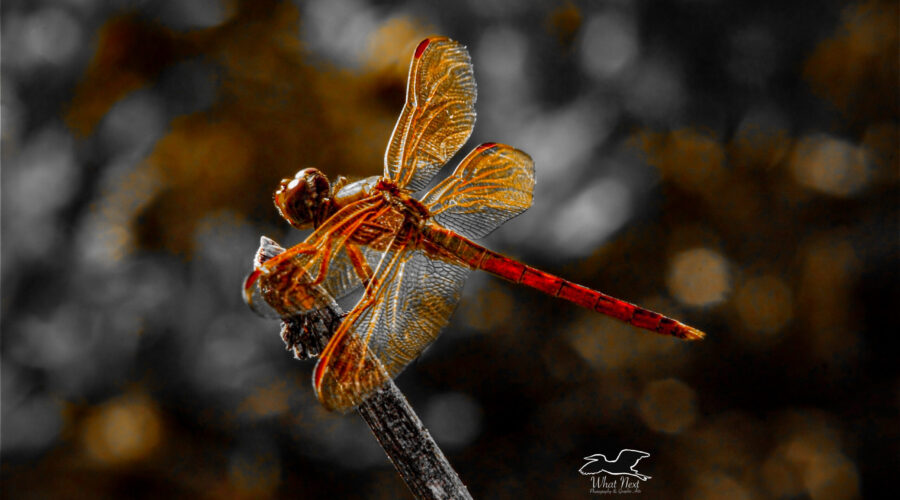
(402, 311)
(346, 273)
(438, 116)
(311, 274)
(492, 184)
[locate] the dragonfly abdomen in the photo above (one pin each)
(478, 257)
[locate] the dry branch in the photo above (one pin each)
(407, 442)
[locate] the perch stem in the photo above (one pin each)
(407, 443)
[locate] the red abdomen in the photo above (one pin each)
(478, 257)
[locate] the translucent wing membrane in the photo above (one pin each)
(351, 267)
(493, 184)
(328, 265)
(401, 313)
(260, 295)
(438, 116)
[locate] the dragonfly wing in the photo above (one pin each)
(402, 311)
(254, 295)
(310, 275)
(438, 116)
(353, 263)
(351, 267)
(492, 184)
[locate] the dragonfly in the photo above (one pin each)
(410, 256)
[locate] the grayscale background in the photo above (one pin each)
(731, 164)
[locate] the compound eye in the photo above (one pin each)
(299, 200)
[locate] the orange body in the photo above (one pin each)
(412, 256)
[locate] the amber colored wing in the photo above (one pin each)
(492, 184)
(403, 310)
(438, 116)
(326, 266)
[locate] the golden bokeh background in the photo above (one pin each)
(731, 164)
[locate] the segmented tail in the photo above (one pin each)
(509, 269)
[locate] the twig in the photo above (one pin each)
(407, 443)
(415, 455)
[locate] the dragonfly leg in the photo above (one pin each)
(359, 264)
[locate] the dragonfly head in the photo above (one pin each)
(304, 200)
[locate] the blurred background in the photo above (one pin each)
(731, 164)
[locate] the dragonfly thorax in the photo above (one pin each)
(304, 200)
(402, 200)
(346, 192)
